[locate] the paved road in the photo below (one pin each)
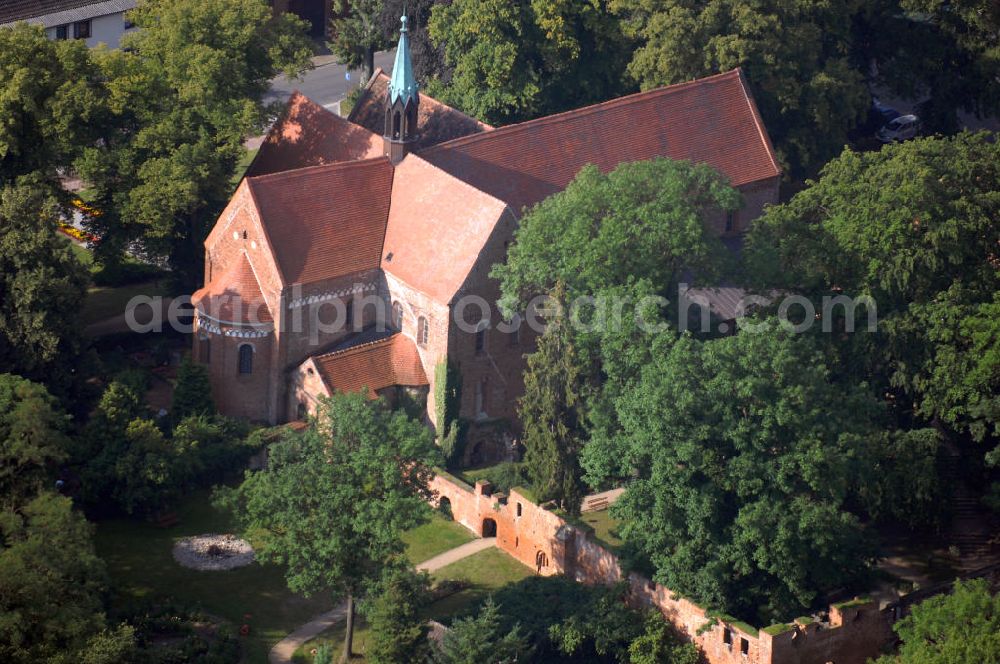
(282, 652)
(326, 84)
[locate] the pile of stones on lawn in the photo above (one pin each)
(211, 553)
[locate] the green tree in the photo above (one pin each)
(32, 439)
(145, 472)
(479, 640)
(42, 286)
(552, 411)
(428, 59)
(51, 96)
(962, 627)
(660, 644)
(193, 392)
(358, 33)
(512, 61)
(181, 97)
(398, 632)
(796, 55)
(50, 582)
(644, 220)
(762, 452)
(334, 501)
(912, 226)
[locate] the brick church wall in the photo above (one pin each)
(530, 533)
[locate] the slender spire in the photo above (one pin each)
(403, 84)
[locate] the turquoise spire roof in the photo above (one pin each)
(403, 84)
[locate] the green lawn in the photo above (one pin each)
(434, 537)
(605, 527)
(103, 303)
(141, 565)
(242, 166)
(486, 571)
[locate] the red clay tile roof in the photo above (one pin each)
(234, 296)
(712, 120)
(376, 365)
(437, 228)
(309, 135)
(436, 122)
(326, 221)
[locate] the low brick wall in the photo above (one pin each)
(542, 540)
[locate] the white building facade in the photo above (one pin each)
(102, 22)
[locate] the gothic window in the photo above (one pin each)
(482, 390)
(423, 331)
(395, 125)
(731, 222)
(411, 120)
(246, 359)
(397, 315)
(481, 339)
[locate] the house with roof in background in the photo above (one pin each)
(349, 253)
(102, 22)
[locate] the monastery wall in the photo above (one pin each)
(544, 541)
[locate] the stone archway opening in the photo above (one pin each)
(489, 528)
(444, 507)
(541, 561)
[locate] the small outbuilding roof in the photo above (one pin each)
(51, 13)
(377, 365)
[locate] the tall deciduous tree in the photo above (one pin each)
(358, 33)
(913, 226)
(958, 628)
(796, 54)
(51, 582)
(32, 439)
(644, 220)
(182, 95)
(513, 61)
(41, 287)
(552, 410)
(427, 57)
(744, 454)
(50, 101)
(334, 501)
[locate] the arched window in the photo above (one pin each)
(246, 359)
(481, 338)
(302, 412)
(423, 331)
(411, 120)
(482, 390)
(397, 315)
(395, 125)
(349, 315)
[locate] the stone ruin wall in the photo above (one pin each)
(545, 542)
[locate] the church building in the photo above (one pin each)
(348, 254)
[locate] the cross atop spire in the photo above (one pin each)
(403, 84)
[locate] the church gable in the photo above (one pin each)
(437, 228)
(309, 135)
(326, 221)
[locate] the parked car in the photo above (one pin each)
(902, 128)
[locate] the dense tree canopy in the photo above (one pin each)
(41, 287)
(796, 55)
(358, 32)
(914, 227)
(427, 58)
(644, 220)
(958, 628)
(334, 501)
(50, 99)
(181, 97)
(480, 640)
(743, 454)
(33, 439)
(512, 61)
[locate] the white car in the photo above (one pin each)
(902, 128)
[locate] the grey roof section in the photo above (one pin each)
(51, 13)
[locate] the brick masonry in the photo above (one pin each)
(546, 542)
